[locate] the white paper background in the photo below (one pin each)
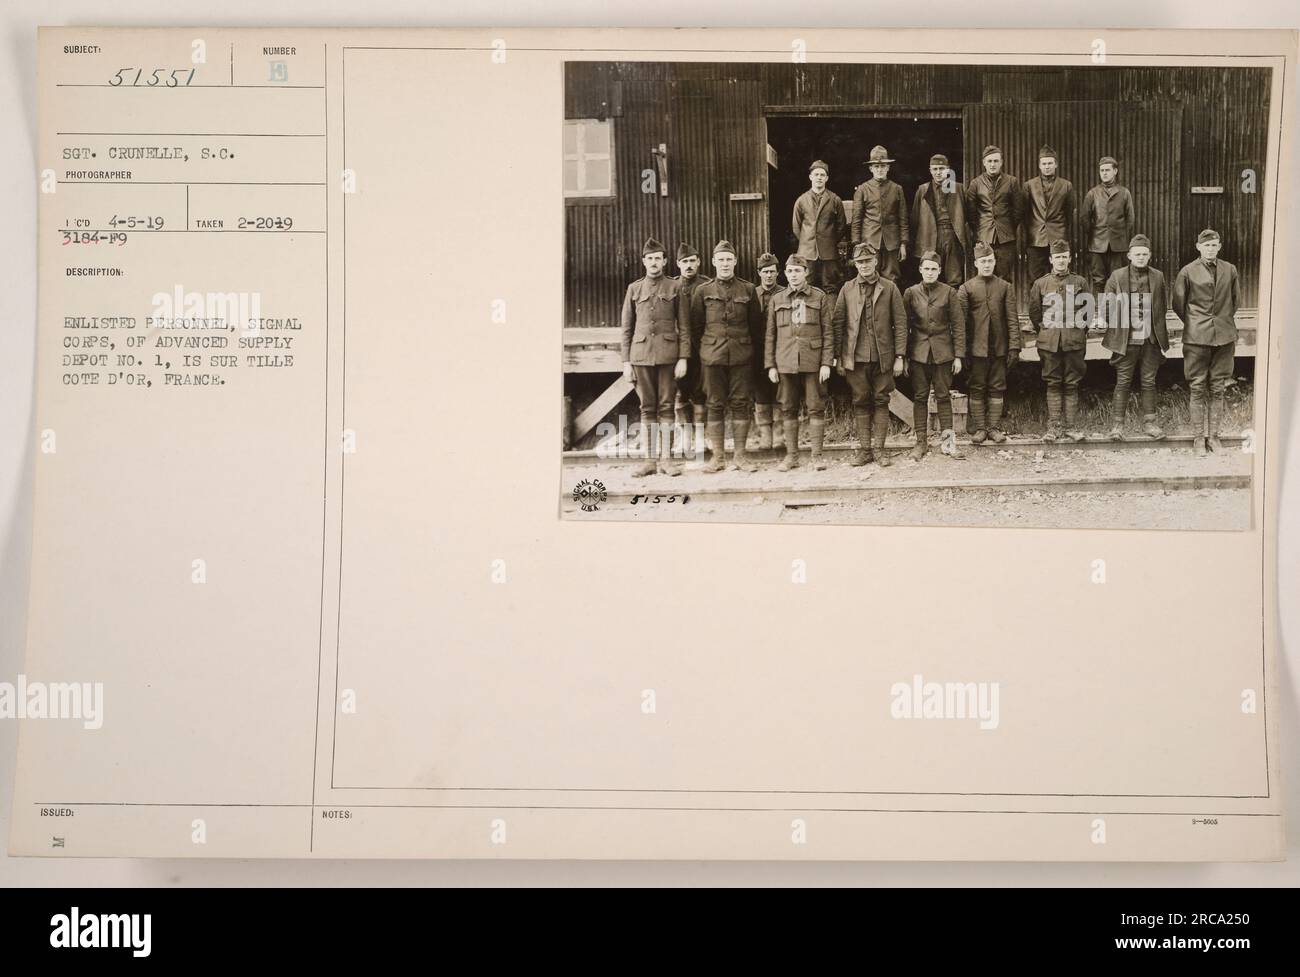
(17, 304)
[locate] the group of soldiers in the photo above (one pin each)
(699, 347)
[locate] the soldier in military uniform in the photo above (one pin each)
(1058, 307)
(798, 352)
(1136, 334)
(655, 347)
(939, 219)
(764, 390)
(936, 343)
(1108, 223)
(996, 211)
(1049, 213)
(870, 331)
(819, 226)
(689, 404)
(880, 215)
(1206, 296)
(724, 319)
(988, 306)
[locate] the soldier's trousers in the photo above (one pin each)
(656, 388)
(1207, 369)
(1143, 361)
(952, 259)
(988, 376)
(801, 386)
(1100, 266)
(1004, 265)
(888, 265)
(924, 377)
(1039, 261)
(870, 385)
(729, 388)
(825, 273)
(1063, 370)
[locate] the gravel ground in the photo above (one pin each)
(944, 500)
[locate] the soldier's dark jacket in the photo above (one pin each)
(1061, 323)
(689, 285)
(936, 327)
(1207, 302)
(879, 215)
(652, 323)
(989, 310)
(887, 322)
(1124, 323)
(724, 317)
(1108, 218)
(925, 223)
(799, 336)
(818, 224)
(1049, 211)
(996, 207)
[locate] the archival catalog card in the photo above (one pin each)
(755, 444)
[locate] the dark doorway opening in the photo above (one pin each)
(845, 142)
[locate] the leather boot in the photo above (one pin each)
(763, 418)
(1118, 409)
(740, 435)
(978, 423)
(862, 424)
(1151, 429)
(1053, 414)
(1215, 418)
(921, 428)
(880, 431)
(791, 460)
(1072, 430)
(666, 464)
(1197, 408)
(701, 431)
(817, 433)
(778, 428)
(648, 449)
(715, 431)
(996, 434)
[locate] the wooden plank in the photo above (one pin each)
(900, 407)
(595, 360)
(602, 405)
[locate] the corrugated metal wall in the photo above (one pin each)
(1143, 137)
(1171, 129)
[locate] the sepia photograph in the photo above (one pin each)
(898, 294)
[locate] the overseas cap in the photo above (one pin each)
(651, 246)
